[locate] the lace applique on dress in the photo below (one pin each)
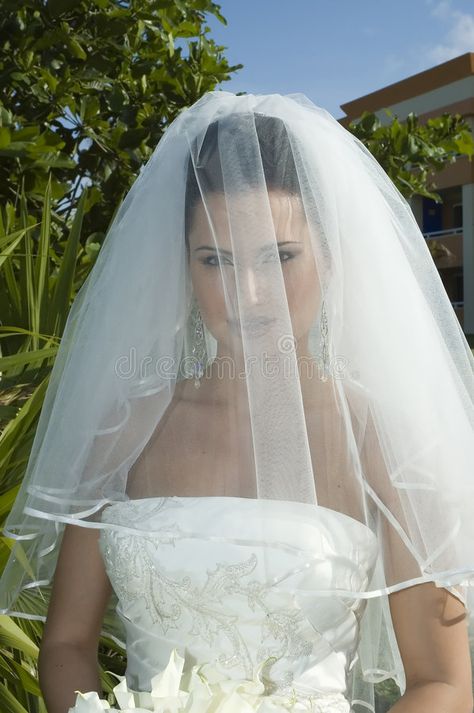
(203, 575)
(133, 565)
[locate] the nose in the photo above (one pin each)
(249, 286)
(255, 288)
(245, 290)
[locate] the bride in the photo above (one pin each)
(254, 462)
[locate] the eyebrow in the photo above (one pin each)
(229, 252)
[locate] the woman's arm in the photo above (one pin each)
(80, 593)
(431, 630)
(430, 623)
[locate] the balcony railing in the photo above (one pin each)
(446, 247)
(442, 233)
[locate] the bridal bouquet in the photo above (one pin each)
(204, 689)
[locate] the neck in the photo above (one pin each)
(225, 380)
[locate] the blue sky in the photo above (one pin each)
(337, 51)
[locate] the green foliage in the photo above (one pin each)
(37, 310)
(411, 152)
(38, 281)
(88, 87)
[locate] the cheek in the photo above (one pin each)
(208, 289)
(303, 293)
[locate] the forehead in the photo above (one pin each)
(247, 215)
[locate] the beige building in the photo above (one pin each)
(448, 87)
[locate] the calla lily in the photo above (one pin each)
(203, 689)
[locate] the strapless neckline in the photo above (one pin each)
(307, 509)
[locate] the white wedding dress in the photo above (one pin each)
(231, 581)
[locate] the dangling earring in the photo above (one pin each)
(324, 342)
(199, 349)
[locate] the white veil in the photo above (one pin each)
(336, 373)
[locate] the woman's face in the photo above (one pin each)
(249, 283)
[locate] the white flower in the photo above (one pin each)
(203, 689)
(89, 703)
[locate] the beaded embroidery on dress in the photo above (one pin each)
(204, 576)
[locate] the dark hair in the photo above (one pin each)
(275, 150)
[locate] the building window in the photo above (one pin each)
(459, 287)
(457, 215)
(432, 215)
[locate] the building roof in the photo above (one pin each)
(433, 78)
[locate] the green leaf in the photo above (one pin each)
(8, 248)
(60, 7)
(5, 117)
(117, 98)
(64, 284)
(27, 681)
(132, 139)
(76, 49)
(8, 702)
(22, 358)
(11, 635)
(41, 266)
(90, 107)
(7, 412)
(5, 137)
(465, 144)
(27, 133)
(7, 499)
(170, 44)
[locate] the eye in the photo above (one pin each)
(213, 261)
(288, 255)
(284, 255)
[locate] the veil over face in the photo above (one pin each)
(264, 321)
